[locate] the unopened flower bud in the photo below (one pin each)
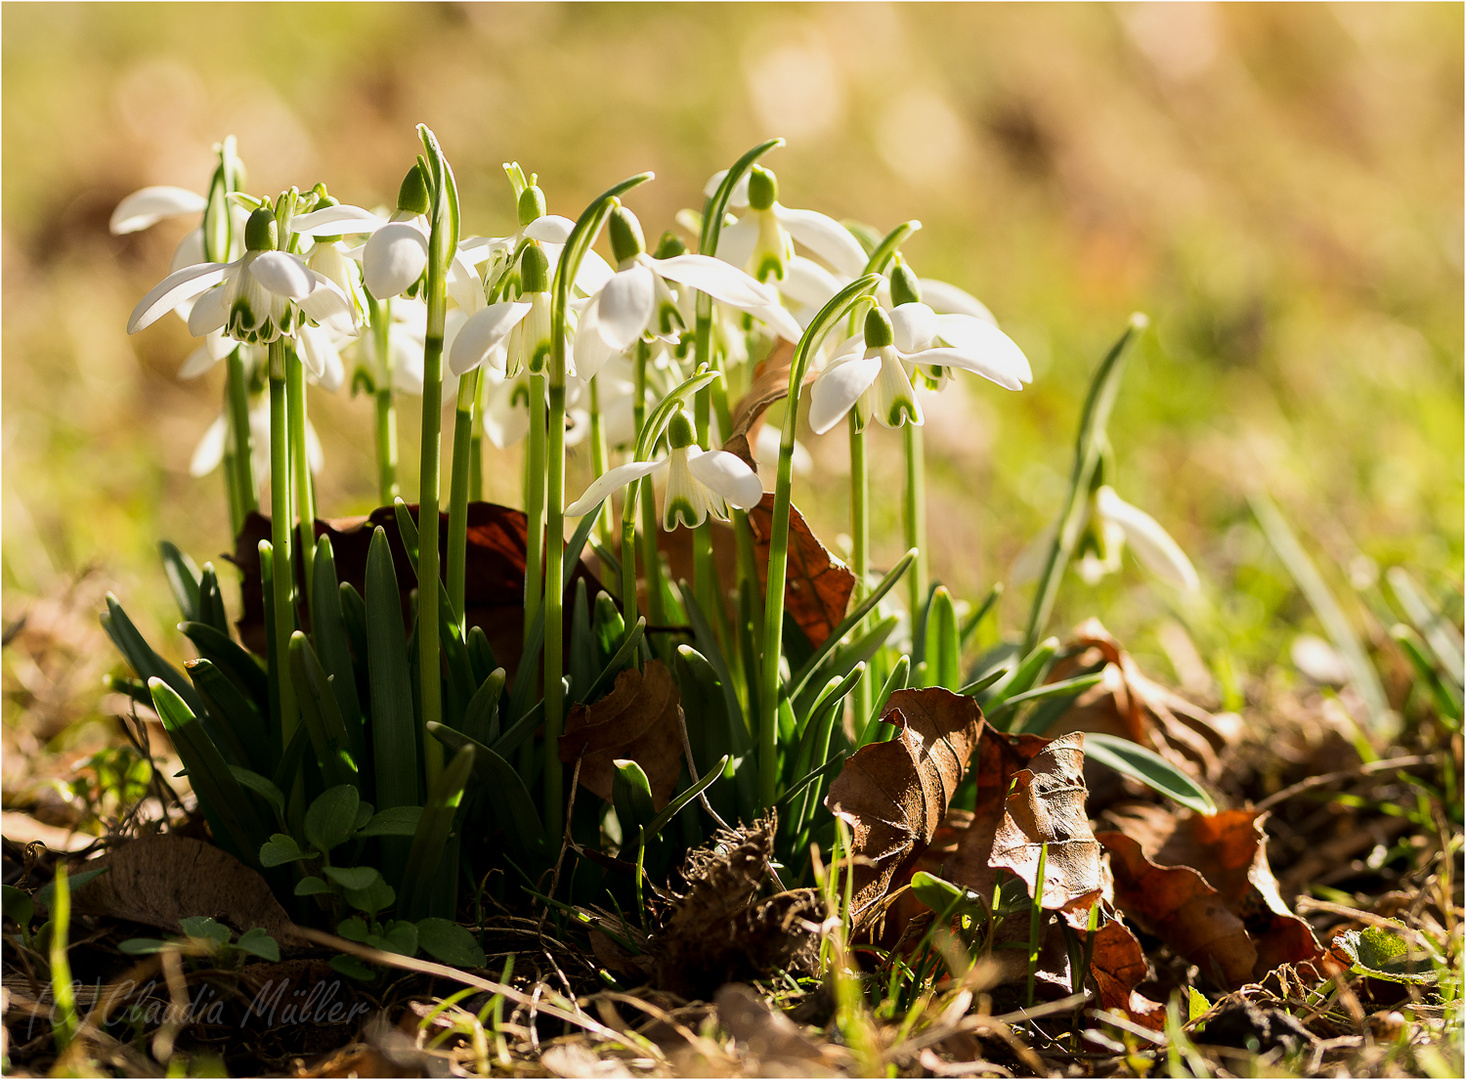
(679, 431)
(412, 196)
(534, 269)
(905, 289)
(763, 188)
(260, 232)
(878, 332)
(531, 205)
(670, 246)
(627, 241)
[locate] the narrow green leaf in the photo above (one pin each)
(261, 786)
(974, 620)
(1384, 721)
(232, 660)
(406, 532)
(583, 663)
(394, 723)
(1135, 761)
(211, 601)
(976, 686)
(239, 723)
(237, 825)
(673, 808)
(1066, 689)
(332, 644)
(428, 843)
(809, 778)
(631, 794)
(1447, 701)
(1432, 623)
(895, 681)
(619, 659)
(864, 608)
(942, 640)
(844, 659)
(481, 654)
(504, 789)
(183, 579)
(481, 718)
(329, 736)
(144, 661)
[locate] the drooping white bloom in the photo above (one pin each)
(510, 335)
(209, 452)
(699, 482)
(261, 295)
(762, 240)
(145, 208)
(638, 301)
(872, 371)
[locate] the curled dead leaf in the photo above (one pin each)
(158, 880)
(1131, 706)
(893, 795)
(770, 384)
(818, 587)
(1229, 851)
(637, 720)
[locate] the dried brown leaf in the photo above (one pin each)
(1229, 851)
(157, 880)
(770, 384)
(640, 720)
(894, 794)
(818, 586)
(775, 1043)
(1131, 706)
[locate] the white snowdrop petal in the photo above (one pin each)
(736, 241)
(722, 282)
(625, 306)
(913, 326)
(315, 457)
(339, 220)
(808, 283)
(209, 312)
(173, 290)
(394, 259)
(464, 284)
(483, 331)
(778, 320)
(283, 274)
(826, 237)
(989, 365)
(210, 449)
(893, 390)
(329, 307)
(591, 351)
(729, 476)
(601, 488)
(1152, 545)
(838, 388)
(594, 272)
(151, 205)
(948, 299)
(189, 252)
(739, 196)
(198, 362)
(550, 229)
(969, 334)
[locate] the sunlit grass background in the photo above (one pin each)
(1278, 187)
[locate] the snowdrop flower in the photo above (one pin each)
(144, 209)
(521, 327)
(550, 231)
(699, 482)
(638, 300)
(255, 299)
(762, 241)
(872, 372)
(1112, 524)
(506, 409)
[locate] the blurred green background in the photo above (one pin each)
(1278, 187)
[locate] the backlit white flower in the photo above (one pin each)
(762, 240)
(144, 209)
(510, 335)
(638, 301)
(871, 373)
(209, 452)
(699, 482)
(261, 295)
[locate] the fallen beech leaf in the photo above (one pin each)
(894, 794)
(1045, 810)
(1117, 966)
(719, 931)
(818, 587)
(638, 720)
(493, 569)
(770, 384)
(1176, 904)
(157, 880)
(1228, 850)
(1127, 704)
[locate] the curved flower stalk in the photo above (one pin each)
(208, 454)
(700, 483)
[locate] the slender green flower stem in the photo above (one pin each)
(598, 455)
(768, 715)
(459, 487)
(651, 562)
(554, 601)
(386, 429)
(245, 500)
(704, 571)
(301, 483)
(476, 462)
(860, 552)
(534, 503)
(428, 582)
(282, 557)
(914, 517)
